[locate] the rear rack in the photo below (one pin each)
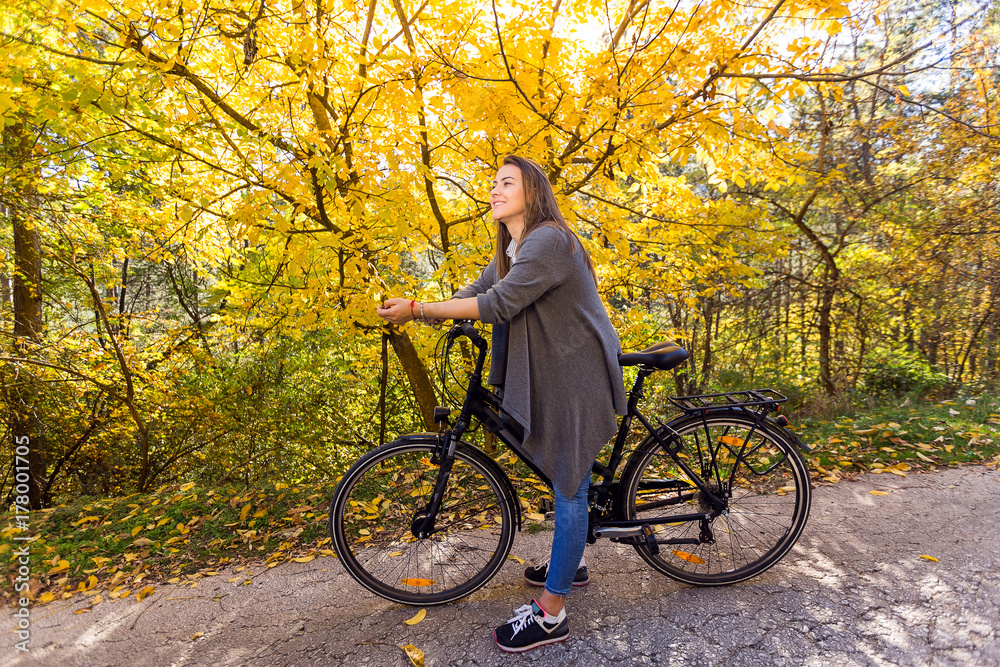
(729, 399)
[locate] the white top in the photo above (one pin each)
(512, 249)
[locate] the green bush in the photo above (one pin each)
(902, 373)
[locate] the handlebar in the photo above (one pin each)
(467, 329)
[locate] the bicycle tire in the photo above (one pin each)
(767, 507)
(380, 499)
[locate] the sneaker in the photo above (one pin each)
(531, 627)
(536, 575)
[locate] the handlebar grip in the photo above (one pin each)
(467, 329)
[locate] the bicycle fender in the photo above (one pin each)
(472, 452)
(791, 436)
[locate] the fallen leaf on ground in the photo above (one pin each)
(929, 557)
(521, 560)
(878, 493)
(419, 616)
(63, 566)
(415, 655)
(144, 592)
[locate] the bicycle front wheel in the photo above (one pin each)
(755, 469)
(381, 503)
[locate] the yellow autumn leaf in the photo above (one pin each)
(135, 531)
(144, 592)
(516, 558)
(419, 616)
(87, 585)
(878, 493)
(303, 559)
(85, 610)
(415, 655)
(925, 556)
(244, 512)
(46, 597)
(85, 520)
(62, 566)
(534, 516)
(187, 487)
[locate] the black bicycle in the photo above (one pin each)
(715, 496)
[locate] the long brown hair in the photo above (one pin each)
(540, 209)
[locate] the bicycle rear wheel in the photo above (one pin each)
(381, 501)
(758, 472)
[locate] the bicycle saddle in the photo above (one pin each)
(665, 356)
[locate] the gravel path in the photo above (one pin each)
(854, 591)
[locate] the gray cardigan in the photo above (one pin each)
(560, 374)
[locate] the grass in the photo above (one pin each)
(899, 435)
(114, 548)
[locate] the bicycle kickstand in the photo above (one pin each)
(651, 545)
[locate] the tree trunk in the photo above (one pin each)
(706, 358)
(420, 381)
(26, 426)
(825, 313)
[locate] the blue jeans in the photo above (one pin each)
(572, 522)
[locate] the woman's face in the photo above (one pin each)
(507, 195)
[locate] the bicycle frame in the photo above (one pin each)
(486, 406)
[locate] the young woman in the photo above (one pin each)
(555, 358)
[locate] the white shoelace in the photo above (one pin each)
(545, 563)
(523, 616)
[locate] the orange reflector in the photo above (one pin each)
(417, 582)
(691, 558)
